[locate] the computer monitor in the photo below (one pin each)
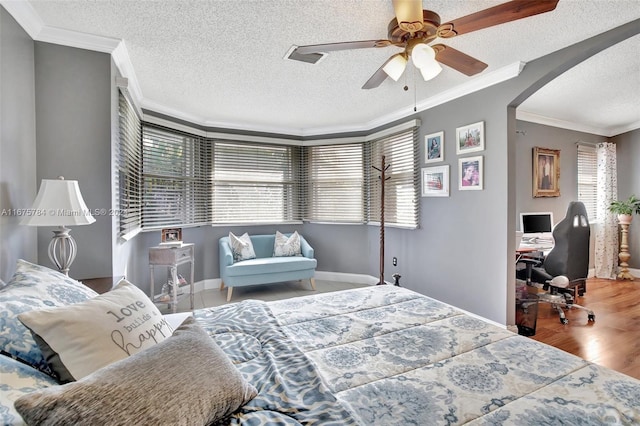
(536, 225)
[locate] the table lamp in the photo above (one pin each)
(59, 203)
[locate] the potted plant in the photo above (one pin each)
(625, 208)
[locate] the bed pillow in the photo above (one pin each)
(33, 287)
(186, 379)
(241, 247)
(287, 246)
(18, 379)
(81, 338)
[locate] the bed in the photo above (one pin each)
(379, 355)
(386, 355)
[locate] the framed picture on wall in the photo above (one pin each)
(470, 138)
(546, 172)
(434, 147)
(470, 172)
(435, 181)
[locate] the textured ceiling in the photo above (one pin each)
(221, 62)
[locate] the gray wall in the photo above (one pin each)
(628, 156)
(531, 135)
(73, 125)
(17, 143)
(461, 250)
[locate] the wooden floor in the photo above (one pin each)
(613, 340)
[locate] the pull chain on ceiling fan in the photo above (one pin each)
(414, 28)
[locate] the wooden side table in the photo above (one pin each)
(172, 257)
(99, 285)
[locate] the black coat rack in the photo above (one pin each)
(383, 169)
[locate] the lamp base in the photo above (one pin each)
(62, 249)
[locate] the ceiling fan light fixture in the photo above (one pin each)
(395, 66)
(431, 70)
(423, 55)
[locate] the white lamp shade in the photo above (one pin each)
(430, 71)
(422, 55)
(395, 66)
(58, 203)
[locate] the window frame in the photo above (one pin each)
(587, 179)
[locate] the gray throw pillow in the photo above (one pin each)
(186, 379)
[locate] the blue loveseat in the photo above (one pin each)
(265, 268)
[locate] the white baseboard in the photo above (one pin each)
(214, 283)
(634, 272)
(346, 277)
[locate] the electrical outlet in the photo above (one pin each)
(395, 261)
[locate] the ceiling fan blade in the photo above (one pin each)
(457, 60)
(409, 14)
(347, 45)
(378, 77)
(496, 15)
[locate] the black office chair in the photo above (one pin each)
(563, 272)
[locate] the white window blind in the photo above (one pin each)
(176, 174)
(255, 183)
(402, 187)
(129, 176)
(587, 179)
(335, 188)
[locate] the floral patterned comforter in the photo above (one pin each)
(392, 356)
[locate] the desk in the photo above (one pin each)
(529, 256)
(172, 257)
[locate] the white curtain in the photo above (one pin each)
(606, 241)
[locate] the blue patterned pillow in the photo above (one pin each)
(17, 379)
(33, 287)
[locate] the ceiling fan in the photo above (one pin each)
(414, 28)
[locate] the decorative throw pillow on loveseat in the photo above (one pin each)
(287, 246)
(33, 287)
(184, 380)
(81, 338)
(241, 247)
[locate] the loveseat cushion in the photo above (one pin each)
(270, 265)
(33, 287)
(287, 245)
(241, 247)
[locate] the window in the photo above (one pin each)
(335, 183)
(176, 178)
(401, 207)
(255, 183)
(587, 179)
(343, 186)
(129, 175)
(168, 178)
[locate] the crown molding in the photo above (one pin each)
(579, 127)
(615, 131)
(25, 15)
(78, 39)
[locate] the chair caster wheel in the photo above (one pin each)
(591, 317)
(564, 321)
